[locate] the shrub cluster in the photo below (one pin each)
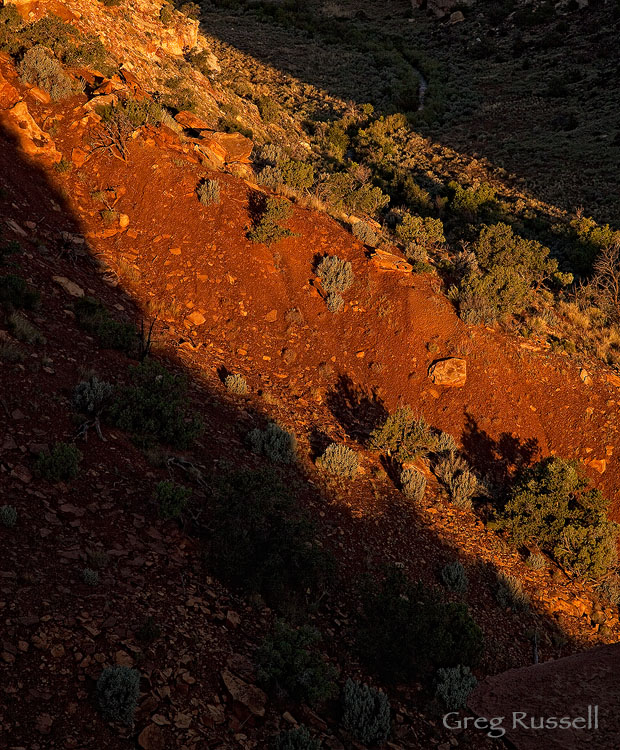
(454, 473)
(16, 292)
(278, 444)
(365, 713)
(510, 593)
(91, 396)
(413, 483)
(454, 577)
(8, 515)
(454, 685)
(365, 233)
(336, 277)
(93, 317)
(208, 192)
(59, 464)
(339, 460)
(41, 68)
(118, 689)
(295, 739)
(404, 436)
(288, 664)
(504, 275)
(153, 407)
(552, 506)
(267, 229)
(416, 230)
(261, 540)
(236, 384)
(171, 499)
(406, 631)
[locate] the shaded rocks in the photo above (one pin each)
(249, 696)
(450, 372)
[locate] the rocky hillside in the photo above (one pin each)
(222, 283)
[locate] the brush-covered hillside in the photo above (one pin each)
(309, 366)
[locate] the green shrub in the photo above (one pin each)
(295, 739)
(70, 46)
(208, 192)
(365, 233)
(7, 247)
(345, 193)
(23, 330)
(425, 232)
(41, 69)
(536, 561)
(507, 272)
(404, 436)
(267, 228)
(154, 407)
(131, 113)
(473, 201)
(261, 539)
(510, 593)
(91, 396)
(365, 713)
(149, 631)
(59, 464)
(454, 577)
(166, 14)
(454, 685)
(236, 384)
(16, 292)
(339, 460)
(278, 444)
(118, 689)
(90, 577)
(413, 483)
(336, 140)
(406, 632)
(92, 316)
(171, 499)
(462, 484)
(550, 505)
(8, 515)
(287, 665)
(334, 302)
(297, 174)
(268, 109)
(336, 274)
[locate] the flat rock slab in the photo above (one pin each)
(569, 687)
(451, 372)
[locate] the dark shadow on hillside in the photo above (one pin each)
(357, 410)
(393, 532)
(498, 459)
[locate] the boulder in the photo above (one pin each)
(18, 123)
(234, 146)
(389, 262)
(249, 696)
(450, 372)
(190, 121)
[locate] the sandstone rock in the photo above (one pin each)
(189, 120)
(69, 286)
(178, 39)
(234, 147)
(613, 379)
(451, 372)
(598, 464)
(253, 698)
(196, 318)
(457, 16)
(151, 738)
(28, 136)
(389, 262)
(8, 93)
(585, 376)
